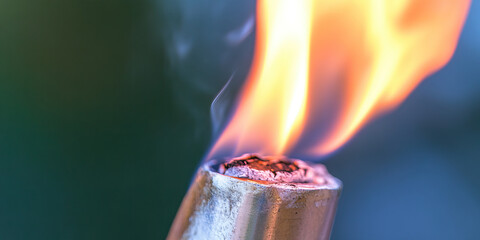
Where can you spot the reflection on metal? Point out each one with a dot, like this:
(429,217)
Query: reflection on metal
(222,207)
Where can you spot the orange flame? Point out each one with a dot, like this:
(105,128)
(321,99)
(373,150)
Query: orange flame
(322,69)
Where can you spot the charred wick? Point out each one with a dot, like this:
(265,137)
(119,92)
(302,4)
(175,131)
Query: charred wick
(254,161)
(277,169)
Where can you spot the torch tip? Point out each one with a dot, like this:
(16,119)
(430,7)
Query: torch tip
(275,169)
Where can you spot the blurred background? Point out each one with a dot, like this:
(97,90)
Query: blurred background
(105,115)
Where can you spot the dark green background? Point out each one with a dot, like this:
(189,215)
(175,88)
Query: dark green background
(101,130)
(90,139)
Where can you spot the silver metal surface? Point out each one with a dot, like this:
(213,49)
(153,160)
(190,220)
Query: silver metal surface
(222,207)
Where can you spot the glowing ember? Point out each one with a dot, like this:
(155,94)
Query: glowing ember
(322,69)
(274,169)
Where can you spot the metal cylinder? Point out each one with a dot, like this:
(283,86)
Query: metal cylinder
(223,207)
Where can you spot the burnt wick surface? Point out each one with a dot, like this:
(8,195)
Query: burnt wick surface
(255,162)
(271,168)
